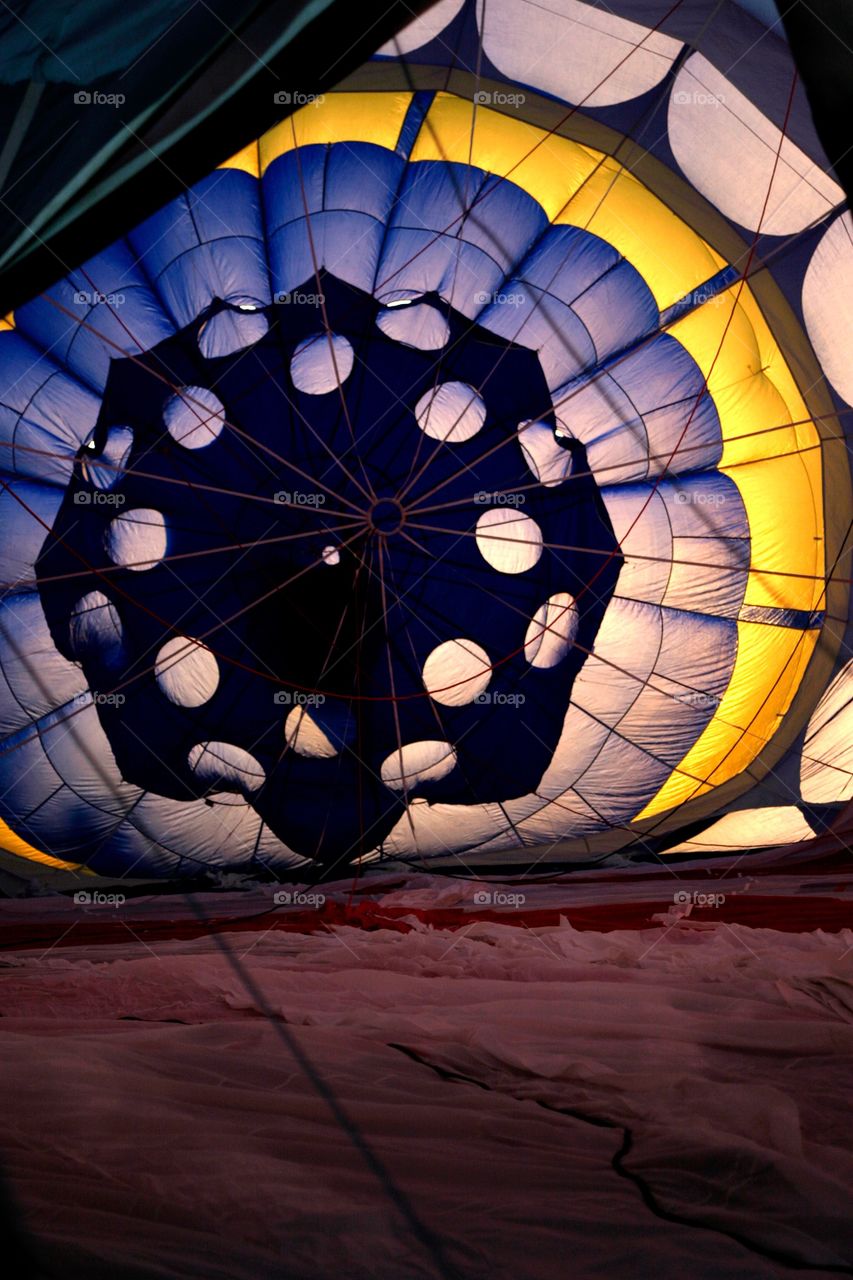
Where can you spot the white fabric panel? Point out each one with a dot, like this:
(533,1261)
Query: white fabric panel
(578,52)
(705,506)
(620,781)
(828,304)
(580,742)
(690,676)
(269,850)
(629,638)
(137,538)
(95,628)
(634,420)
(416,762)
(418,325)
(207,833)
(749,829)
(42,409)
(641,524)
(728,149)
(230,331)
(34,678)
(706,514)
(66,826)
(30,510)
(451,412)
(223,765)
(105,471)
(26,772)
(194,417)
(457,672)
(700,584)
(550,462)
(443,828)
(566,812)
(214,247)
(102,311)
(552,631)
(826,768)
(459,233)
(81,755)
(320,363)
(186,672)
(304,736)
(509,541)
(423,29)
(536,319)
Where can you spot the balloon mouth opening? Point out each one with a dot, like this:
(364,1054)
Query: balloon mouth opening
(386,516)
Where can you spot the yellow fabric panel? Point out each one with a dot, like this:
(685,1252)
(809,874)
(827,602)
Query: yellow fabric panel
(778,472)
(11,843)
(339,117)
(248,160)
(769,666)
(500,145)
(8,322)
(576,186)
(779,475)
(783,501)
(669,255)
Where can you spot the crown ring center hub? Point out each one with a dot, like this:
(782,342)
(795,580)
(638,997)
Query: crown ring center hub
(386,516)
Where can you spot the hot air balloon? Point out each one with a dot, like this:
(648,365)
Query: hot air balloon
(457,471)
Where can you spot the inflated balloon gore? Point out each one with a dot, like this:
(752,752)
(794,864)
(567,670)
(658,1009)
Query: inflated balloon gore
(421,483)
